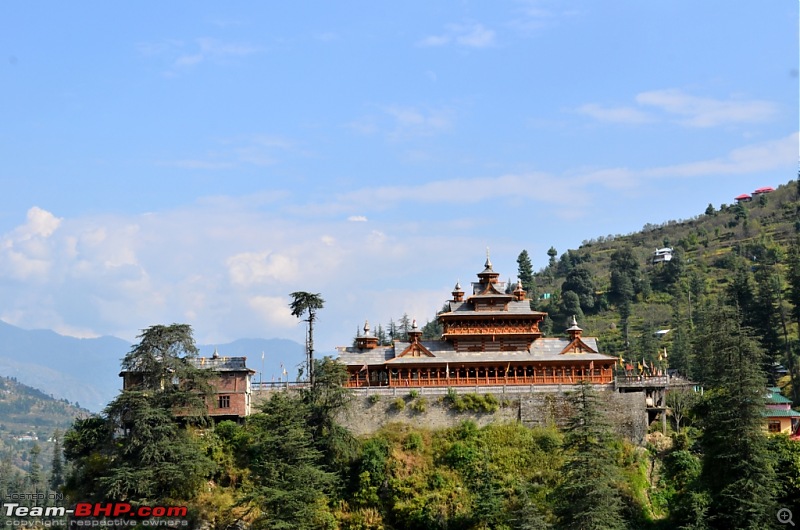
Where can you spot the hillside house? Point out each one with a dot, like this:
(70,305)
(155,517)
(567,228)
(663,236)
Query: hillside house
(231,385)
(778,413)
(662,255)
(490,337)
(744,197)
(765,189)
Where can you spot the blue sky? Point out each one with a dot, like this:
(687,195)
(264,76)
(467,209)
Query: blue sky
(197,161)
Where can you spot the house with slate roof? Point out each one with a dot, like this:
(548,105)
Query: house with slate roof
(230,385)
(490,337)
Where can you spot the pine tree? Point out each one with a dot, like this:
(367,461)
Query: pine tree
(551,255)
(324,400)
(528,516)
(737,467)
(34,477)
(289,483)
(589,496)
(525,275)
(622,294)
(767,316)
(304,303)
(404,327)
(580,281)
(57,467)
(139,449)
(793,277)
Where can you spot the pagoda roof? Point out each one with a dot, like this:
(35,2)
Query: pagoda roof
(515,307)
(481,288)
(548,349)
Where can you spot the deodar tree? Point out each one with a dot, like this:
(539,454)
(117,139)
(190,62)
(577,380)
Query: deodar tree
(737,465)
(140,449)
(307,303)
(589,497)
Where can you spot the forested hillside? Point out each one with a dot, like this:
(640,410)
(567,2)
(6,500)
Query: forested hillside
(31,425)
(748,251)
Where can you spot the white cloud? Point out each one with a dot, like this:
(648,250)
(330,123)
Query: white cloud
(692,111)
(228,263)
(40,223)
(26,253)
(434,40)
(466,35)
(707,112)
(538,187)
(752,158)
(274,310)
(253,268)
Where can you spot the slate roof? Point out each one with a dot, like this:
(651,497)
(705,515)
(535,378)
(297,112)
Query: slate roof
(544,349)
(222,364)
(515,307)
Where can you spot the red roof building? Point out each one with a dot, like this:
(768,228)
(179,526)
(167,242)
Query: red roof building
(743,198)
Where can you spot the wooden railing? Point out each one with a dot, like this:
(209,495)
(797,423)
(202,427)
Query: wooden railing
(645,381)
(602,378)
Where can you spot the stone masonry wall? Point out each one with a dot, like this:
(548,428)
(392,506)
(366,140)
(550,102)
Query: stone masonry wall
(549,406)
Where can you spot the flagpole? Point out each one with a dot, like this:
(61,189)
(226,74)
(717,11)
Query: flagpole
(262,370)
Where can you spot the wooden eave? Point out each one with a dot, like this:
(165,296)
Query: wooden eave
(577,346)
(499,315)
(492,290)
(414,347)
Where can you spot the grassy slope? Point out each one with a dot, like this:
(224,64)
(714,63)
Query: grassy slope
(25,410)
(705,241)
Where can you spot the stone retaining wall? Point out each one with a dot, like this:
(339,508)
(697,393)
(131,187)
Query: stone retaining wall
(369,412)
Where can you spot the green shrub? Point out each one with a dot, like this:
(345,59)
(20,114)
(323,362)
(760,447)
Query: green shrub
(414,394)
(413,442)
(399,404)
(420,405)
(473,402)
(461,455)
(490,403)
(374,398)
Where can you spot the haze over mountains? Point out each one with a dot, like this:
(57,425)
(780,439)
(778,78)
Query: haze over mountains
(86,371)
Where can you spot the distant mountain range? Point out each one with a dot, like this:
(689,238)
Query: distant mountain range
(86,371)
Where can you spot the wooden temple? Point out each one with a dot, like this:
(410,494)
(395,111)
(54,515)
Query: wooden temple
(490,337)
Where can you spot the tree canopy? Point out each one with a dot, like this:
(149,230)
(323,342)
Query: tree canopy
(307,303)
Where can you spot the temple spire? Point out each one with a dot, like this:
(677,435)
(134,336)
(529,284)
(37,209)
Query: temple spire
(574,330)
(458,294)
